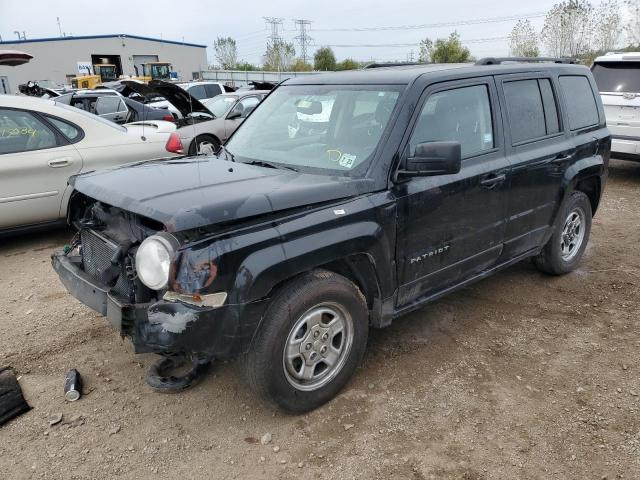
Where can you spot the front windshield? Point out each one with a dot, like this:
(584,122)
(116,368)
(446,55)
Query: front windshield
(328,127)
(220,105)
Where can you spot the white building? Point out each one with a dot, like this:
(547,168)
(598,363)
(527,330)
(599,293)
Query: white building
(59,59)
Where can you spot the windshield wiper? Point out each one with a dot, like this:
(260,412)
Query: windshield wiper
(227,153)
(262,163)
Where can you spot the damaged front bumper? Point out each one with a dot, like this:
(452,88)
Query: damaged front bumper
(165,327)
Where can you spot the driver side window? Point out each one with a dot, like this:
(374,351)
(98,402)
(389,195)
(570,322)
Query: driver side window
(461,115)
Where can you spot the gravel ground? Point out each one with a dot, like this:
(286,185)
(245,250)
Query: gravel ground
(520,376)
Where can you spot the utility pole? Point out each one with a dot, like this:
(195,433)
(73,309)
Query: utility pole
(302,37)
(275,23)
(274,38)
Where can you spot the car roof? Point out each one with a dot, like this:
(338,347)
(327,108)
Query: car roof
(403,75)
(95,93)
(618,57)
(200,82)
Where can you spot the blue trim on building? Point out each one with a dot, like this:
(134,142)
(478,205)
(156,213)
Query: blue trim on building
(92,37)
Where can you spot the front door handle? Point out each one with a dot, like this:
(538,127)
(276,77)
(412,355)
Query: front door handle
(60,162)
(492,180)
(563,158)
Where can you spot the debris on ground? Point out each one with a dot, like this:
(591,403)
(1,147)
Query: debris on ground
(12,402)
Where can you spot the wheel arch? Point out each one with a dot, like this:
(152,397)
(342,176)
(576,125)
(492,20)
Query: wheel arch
(591,187)
(192,145)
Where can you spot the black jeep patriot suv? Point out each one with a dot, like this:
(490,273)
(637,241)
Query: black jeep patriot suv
(343,201)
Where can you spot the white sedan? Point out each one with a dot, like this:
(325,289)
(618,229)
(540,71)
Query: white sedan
(42,144)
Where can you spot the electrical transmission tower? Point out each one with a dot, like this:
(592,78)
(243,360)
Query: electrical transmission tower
(303,38)
(275,23)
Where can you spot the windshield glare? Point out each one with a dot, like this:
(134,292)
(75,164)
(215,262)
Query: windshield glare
(220,105)
(330,127)
(617,76)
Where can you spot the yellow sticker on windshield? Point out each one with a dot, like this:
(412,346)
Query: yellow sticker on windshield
(334,155)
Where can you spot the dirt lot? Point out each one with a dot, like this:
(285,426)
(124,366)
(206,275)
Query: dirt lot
(519,376)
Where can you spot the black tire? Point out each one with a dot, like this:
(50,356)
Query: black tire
(194,148)
(550,260)
(264,365)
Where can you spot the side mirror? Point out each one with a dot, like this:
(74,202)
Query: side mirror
(433,158)
(236,112)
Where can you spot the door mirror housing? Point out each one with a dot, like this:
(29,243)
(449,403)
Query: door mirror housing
(236,112)
(433,158)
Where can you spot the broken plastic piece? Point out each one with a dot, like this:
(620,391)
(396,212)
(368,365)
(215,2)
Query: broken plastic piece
(160,377)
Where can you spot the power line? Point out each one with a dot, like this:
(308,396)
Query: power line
(423,26)
(302,37)
(404,45)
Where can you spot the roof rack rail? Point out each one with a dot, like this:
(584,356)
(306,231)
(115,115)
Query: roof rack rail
(390,64)
(500,60)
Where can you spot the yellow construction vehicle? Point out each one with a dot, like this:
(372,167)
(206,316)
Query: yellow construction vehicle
(106,71)
(154,71)
(86,82)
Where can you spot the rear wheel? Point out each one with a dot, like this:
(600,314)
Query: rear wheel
(566,246)
(313,337)
(204,145)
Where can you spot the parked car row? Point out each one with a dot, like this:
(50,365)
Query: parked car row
(113,106)
(43,143)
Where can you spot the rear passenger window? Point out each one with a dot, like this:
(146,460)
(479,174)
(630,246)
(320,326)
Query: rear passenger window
(532,110)
(462,115)
(212,90)
(581,104)
(71,132)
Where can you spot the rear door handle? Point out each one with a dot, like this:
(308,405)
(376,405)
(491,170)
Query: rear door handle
(60,162)
(492,180)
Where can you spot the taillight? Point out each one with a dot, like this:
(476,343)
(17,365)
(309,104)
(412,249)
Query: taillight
(169,118)
(174,145)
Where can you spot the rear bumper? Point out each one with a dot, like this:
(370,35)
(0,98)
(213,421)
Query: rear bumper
(624,146)
(165,327)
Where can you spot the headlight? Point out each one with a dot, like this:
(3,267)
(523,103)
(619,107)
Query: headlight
(153,260)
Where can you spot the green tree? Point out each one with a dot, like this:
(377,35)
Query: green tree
(226,52)
(632,26)
(607,26)
(444,50)
(523,41)
(324,59)
(301,66)
(279,56)
(246,66)
(348,64)
(568,29)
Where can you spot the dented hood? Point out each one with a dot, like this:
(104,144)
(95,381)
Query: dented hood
(195,192)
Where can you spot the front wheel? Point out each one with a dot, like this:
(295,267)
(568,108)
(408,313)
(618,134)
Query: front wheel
(204,145)
(570,237)
(313,337)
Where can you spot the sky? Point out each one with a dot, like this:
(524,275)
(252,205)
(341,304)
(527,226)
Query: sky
(354,29)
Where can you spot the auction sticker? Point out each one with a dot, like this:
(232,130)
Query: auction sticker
(347,160)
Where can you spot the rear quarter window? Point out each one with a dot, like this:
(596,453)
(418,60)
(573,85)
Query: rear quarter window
(582,108)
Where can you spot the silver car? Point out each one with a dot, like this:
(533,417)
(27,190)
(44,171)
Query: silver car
(207,124)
